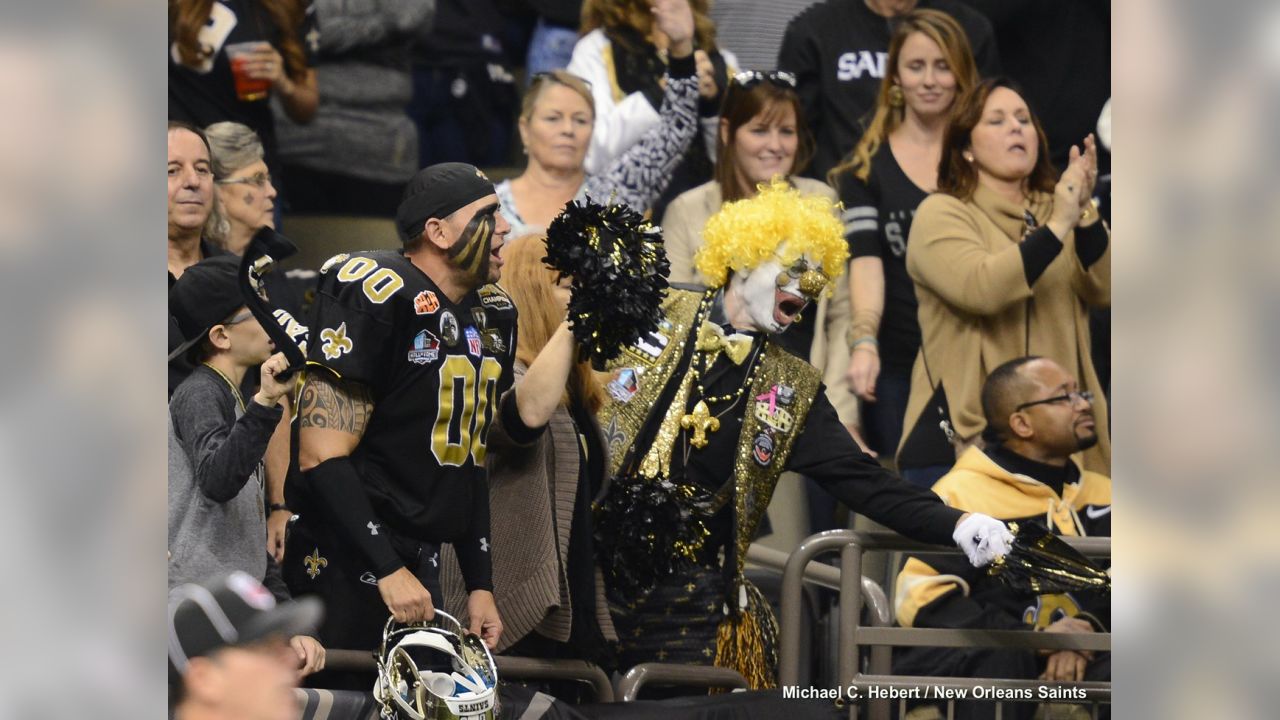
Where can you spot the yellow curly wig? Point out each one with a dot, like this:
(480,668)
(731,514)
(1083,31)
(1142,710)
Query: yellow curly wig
(745,233)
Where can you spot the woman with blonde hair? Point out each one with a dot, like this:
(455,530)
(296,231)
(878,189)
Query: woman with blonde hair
(546,459)
(890,171)
(558,124)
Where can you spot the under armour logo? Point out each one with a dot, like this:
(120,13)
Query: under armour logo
(373,527)
(484,544)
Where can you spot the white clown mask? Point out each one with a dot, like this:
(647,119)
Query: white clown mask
(773,295)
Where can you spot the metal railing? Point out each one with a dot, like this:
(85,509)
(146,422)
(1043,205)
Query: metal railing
(630,684)
(852,636)
(509,668)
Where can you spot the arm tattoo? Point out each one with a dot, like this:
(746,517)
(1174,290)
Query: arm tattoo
(335,405)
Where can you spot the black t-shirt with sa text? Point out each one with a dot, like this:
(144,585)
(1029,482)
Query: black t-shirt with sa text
(877,221)
(838,50)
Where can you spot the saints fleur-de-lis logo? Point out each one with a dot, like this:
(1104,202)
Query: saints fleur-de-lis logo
(336,342)
(314,562)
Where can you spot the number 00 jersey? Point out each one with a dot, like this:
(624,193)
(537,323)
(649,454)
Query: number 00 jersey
(435,370)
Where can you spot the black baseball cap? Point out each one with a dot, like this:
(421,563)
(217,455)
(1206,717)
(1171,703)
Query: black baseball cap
(232,610)
(437,191)
(206,294)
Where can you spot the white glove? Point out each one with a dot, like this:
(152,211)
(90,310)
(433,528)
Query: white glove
(983,538)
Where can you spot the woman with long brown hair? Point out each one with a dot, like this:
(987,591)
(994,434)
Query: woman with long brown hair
(546,460)
(228,57)
(1007,258)
(890,171)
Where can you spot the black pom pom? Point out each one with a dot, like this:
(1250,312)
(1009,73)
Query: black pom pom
(619,268)
(649,529)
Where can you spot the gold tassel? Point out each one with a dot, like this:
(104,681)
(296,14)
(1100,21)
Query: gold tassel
(748,642)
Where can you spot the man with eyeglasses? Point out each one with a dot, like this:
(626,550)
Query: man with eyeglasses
(1038,421)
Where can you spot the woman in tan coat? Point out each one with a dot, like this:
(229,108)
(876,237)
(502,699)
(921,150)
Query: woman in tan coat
(547,457)
(1006,262)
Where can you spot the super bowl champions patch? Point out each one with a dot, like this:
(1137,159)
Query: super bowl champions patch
(770,407)
(493,298)
(426,348)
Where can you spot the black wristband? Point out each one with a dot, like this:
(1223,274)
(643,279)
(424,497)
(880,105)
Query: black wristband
(682,67)
(1038,251)
(509,412)
(336,484)
(1091,243)
(278,506)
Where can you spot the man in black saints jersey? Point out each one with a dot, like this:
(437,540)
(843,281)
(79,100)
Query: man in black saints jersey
(408,352)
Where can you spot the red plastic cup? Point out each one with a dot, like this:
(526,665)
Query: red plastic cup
(247,89)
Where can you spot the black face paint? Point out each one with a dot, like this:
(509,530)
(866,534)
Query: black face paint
(470,251)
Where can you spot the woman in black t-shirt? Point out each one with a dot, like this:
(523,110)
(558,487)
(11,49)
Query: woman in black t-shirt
(279,40)
(892,168)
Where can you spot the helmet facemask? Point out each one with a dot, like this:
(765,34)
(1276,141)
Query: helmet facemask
(435,671)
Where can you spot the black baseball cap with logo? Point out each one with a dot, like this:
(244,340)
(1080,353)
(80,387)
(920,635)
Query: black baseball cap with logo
(208,293)
(233,610)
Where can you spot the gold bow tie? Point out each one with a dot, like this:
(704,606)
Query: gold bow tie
(711,338)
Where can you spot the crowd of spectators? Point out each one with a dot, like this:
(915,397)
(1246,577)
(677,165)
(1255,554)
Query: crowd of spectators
(957,136)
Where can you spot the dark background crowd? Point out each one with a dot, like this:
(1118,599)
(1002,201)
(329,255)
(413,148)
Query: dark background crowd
(312,117)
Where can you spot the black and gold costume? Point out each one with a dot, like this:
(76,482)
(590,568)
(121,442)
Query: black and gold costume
(677,518)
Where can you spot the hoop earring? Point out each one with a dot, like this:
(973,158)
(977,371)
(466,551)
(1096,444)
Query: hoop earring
(896,98)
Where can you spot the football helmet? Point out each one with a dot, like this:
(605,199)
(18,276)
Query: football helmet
(435,670)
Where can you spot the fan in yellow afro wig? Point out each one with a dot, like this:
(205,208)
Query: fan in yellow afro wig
(745,233)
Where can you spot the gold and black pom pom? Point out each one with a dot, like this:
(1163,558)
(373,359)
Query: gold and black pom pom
(619,269)
(1040,562)
(649,529)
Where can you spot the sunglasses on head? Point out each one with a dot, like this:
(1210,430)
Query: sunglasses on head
(750,78)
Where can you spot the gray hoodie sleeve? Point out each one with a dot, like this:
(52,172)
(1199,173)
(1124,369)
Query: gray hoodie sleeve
(224,450)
